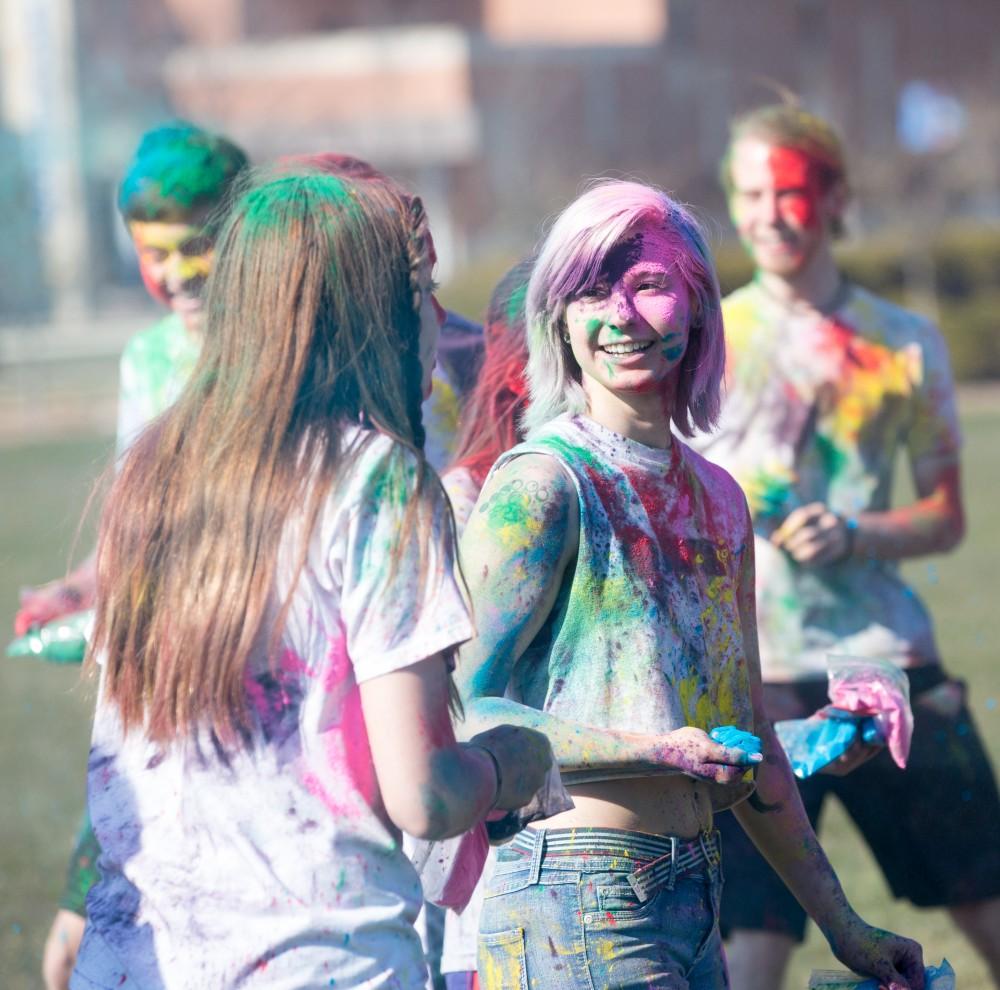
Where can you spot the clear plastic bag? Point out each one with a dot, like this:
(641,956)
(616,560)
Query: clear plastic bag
(815,742)
(877,688)
(935,978)
(450,868)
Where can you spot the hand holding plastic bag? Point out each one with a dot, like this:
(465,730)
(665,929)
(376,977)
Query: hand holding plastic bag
(63,640)
(935,978)
(814,743)
(869,686)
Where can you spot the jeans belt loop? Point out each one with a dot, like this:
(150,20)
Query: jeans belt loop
(672,879)
(537,853)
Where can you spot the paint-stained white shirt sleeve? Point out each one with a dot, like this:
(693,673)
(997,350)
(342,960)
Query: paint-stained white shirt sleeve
(392,616)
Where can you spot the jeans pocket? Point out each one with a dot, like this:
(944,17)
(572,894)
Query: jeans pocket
(500,961)
(618,900)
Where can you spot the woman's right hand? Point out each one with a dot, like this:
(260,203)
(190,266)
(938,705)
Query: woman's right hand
(694,752)
(45,603)
(524,756)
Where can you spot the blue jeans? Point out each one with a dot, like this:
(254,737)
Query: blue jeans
(600,909)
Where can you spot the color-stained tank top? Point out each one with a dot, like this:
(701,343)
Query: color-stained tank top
(645,634)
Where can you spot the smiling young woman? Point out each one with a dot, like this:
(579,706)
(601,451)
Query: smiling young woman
(611,572)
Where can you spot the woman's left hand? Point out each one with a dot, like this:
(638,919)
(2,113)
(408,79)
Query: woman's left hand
(897,962)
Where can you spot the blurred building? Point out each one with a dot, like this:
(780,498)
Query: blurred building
(497,111)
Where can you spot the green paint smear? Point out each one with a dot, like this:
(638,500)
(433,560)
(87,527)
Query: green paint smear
(832,459)
(593,328)
(571,453)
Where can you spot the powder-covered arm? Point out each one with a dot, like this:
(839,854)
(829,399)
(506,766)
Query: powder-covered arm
(785,837)
(934,523)
(516,552)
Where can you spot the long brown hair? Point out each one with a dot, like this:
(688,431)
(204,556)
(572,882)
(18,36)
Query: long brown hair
(312,325)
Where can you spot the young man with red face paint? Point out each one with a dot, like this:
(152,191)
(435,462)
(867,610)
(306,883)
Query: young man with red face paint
(826,383)
(178,177)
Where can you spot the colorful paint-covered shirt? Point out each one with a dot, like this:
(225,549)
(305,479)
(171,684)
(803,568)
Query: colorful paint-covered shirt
(816,410)
(276,865)
(155,367)
(646,630)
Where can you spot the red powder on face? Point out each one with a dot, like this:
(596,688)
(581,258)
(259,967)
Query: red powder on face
(153,283)
(796,185)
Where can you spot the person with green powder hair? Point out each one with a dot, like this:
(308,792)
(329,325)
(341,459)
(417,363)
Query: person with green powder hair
(278,605)
(171,197)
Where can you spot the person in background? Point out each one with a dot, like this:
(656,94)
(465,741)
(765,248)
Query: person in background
(277,604)
(461,342)
(174,191)
(610,569)
(491,416)
(827,385)
(490,425)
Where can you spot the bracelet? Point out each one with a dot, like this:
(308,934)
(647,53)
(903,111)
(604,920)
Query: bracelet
(496,768)
(850,535)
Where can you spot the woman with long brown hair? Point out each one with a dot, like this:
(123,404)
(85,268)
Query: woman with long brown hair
(277,609)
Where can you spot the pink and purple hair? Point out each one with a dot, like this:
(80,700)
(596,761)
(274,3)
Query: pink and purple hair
(570,263)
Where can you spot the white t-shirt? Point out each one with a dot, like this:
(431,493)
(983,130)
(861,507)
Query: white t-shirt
(276,865)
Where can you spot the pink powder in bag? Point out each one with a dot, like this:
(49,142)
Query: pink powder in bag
(870,686)
(450,868)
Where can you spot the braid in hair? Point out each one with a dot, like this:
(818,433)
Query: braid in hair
(417,254)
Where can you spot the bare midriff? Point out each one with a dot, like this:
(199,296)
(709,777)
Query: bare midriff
(660,805)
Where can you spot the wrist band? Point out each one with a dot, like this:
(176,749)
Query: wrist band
(850,534)
(496,767)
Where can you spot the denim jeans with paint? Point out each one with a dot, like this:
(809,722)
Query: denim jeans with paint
(603,908)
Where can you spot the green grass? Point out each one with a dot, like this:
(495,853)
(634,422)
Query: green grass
(44,712)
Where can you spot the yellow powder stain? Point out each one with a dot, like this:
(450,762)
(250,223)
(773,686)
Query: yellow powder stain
(724,701)
(719,589)
(500,967)
(520,536)
(878,373)
(606,949)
